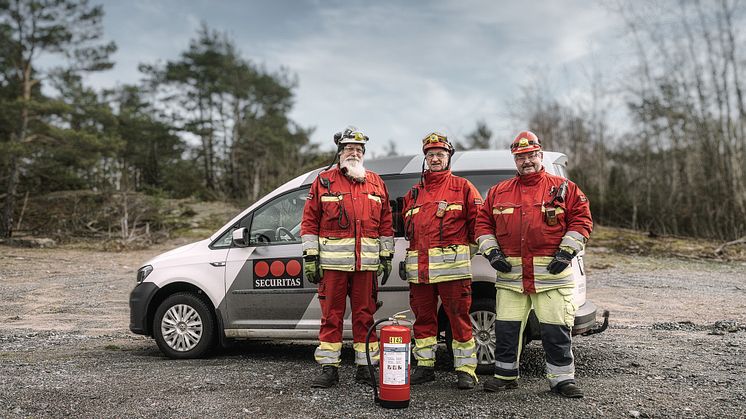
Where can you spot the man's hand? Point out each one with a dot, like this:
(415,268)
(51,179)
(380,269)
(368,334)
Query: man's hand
(560,262)
(498,261)
(311,268)
(403,270)
(384,268)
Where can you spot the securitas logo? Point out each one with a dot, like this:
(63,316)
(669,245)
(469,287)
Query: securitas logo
(278,273)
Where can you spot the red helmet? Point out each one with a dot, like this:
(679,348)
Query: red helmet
(525,142)
(435,140)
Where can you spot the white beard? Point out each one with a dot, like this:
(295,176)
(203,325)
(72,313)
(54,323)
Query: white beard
(354,168)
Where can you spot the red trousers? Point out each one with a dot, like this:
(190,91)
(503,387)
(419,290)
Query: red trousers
(334,288)
(456,299)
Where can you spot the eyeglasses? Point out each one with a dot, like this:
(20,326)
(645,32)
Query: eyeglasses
(352,149)
(526,156)
(440,154)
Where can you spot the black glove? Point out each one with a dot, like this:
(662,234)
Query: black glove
(403,270)
(384,268)
(561,259)
(498,261)
(312,269)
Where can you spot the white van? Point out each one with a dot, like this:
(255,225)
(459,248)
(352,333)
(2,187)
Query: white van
(246,280)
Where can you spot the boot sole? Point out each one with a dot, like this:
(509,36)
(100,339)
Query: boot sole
(322,386)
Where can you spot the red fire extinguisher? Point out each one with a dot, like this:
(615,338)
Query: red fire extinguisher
(395,341)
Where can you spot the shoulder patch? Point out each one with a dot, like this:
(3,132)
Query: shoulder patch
(310,196)
(583,198)
(478,201)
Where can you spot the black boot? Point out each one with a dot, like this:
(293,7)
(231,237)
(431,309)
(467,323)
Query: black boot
(329,376)
(568,389)
(362,375)
(465,380)
(422,375)
(494,384)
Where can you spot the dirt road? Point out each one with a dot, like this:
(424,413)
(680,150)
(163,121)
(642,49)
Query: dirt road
(676,348)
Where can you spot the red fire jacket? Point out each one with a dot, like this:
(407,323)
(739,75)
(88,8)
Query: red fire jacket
(348,223)
(439,246)
(514,214)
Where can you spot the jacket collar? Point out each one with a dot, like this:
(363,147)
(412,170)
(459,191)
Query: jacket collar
(436,178)
(532,178)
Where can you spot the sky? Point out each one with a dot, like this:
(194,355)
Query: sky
(395,69)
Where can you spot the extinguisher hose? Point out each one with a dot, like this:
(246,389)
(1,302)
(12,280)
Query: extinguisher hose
(371,368)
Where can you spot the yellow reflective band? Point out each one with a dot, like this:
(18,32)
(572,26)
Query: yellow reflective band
(411,212)
(502,210)
(375,198)
(454,207)
(337,242)
(331,198)
(368,241)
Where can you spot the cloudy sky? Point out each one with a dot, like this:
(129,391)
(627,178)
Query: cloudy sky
(396,69)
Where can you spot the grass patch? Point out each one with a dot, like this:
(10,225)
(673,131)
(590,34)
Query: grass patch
(637,243)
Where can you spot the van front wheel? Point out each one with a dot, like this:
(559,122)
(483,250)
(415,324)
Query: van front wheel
(184,326)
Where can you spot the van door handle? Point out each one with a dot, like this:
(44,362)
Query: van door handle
(217,264)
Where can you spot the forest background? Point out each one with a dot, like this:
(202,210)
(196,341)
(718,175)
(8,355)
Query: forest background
(211,125)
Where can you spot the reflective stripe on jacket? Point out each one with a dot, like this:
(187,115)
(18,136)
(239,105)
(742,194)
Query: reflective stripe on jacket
(439,246)
(513,218)
(349,223)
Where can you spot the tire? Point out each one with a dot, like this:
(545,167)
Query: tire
(184,326)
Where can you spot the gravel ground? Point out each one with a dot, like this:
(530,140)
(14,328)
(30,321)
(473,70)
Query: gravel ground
(676,347)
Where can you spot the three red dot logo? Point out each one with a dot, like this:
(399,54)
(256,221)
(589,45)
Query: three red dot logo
(278,268)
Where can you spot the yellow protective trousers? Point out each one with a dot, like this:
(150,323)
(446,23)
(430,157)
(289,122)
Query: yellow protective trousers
(555,310)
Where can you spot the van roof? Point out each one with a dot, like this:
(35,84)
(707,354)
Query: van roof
(462,162)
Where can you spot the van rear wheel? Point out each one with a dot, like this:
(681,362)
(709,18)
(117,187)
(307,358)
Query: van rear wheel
(184,326)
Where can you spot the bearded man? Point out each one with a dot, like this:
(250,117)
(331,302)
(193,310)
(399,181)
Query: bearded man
(348,240)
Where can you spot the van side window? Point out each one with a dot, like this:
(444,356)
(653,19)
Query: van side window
(278,221)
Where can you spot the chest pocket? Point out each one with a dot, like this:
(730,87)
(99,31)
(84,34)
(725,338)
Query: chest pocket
(553,220)
(505,214)
(331,209)
(454,210)
(375,204)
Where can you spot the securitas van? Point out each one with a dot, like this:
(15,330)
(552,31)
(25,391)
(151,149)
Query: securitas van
(246,280)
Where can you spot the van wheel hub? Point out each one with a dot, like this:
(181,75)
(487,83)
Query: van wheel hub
(181,327)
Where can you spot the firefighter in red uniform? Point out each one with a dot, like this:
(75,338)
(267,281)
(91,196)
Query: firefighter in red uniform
(439,215)
(348,240)
(530,228)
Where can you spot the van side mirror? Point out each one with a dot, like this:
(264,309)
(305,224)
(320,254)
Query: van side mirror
(241,237)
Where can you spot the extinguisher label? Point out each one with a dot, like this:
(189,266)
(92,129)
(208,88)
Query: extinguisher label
(395,363)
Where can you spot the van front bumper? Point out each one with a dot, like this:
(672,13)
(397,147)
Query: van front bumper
(585,320)
(140,299)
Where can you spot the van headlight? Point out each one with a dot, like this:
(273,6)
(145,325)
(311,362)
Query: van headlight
(143,273)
